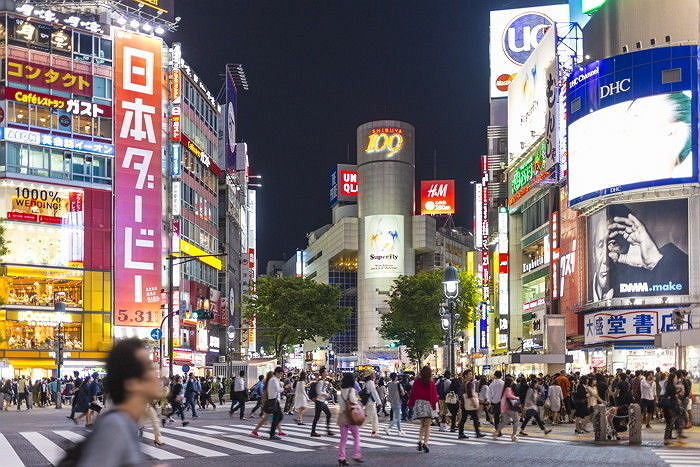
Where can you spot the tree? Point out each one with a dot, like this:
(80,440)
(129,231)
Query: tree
(414,311)
(290,310)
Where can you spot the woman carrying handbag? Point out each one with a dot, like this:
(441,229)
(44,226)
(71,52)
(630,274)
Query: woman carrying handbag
(350,416)
(424,398)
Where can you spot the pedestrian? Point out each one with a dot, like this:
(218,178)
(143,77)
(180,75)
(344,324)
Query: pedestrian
(581,410)
(346,401)
(382,391)
(670,403)
(555,399)
(470,404)
(176,398)
(256,394)
(647,399)
(443,385)
(318,393)
(531,407)
(206,394)
(424,401)
(301,399)
(272,404)
(131,383)
(395,394)
(370,402)
(565,385)
(494,396)
(453,400)
(484,405)
(191,395)
(238,395)
(509,409)
(23,390)
(288,384)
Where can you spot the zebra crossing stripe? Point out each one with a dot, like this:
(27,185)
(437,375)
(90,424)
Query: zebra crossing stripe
(217,442)
(193,448)
(10,457)
(335,438)
(197,429)
(279,444)
(52,452)
(383,439)
(291,439)
(152,451)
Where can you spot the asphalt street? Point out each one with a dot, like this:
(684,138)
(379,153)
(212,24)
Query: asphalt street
(40,437)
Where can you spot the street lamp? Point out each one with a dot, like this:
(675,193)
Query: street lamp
(450,283)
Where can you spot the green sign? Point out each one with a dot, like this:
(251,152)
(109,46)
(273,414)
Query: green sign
(590,6)
(529,169)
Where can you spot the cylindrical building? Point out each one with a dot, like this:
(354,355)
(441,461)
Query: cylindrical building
(386,167)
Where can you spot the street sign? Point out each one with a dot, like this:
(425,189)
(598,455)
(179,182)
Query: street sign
(185,368)
(156,334)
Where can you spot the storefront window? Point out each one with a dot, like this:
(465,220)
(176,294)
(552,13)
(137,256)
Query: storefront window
(534,290)
(38,335)
(40,291)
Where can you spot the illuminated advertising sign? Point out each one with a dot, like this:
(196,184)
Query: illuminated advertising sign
(176,100)
(71,106)
(384,246)
(571,282)
(37,35)
(631,123)
(47,76)
(514,35)
(46,204)
(203,156)
(344,184)
(437,197)
(503,291)
(230,132)
(638,249)
(531,99)
(388,141)
(55,141)
(164,9)
(625,325)
(138,184)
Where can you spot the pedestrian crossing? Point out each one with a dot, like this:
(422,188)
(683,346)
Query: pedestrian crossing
(678,457)
(220,440)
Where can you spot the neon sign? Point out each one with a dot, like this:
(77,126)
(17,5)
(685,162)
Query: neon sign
(389,140)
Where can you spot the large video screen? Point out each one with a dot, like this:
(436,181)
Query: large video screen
(638,249)
(633,144)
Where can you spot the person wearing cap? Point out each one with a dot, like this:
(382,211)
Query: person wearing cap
(372,401)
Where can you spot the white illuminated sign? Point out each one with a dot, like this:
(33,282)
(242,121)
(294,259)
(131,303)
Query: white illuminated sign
(59,142)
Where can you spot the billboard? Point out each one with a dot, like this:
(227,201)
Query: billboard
(437,197)
(384,240)
(49,76)
(344,184)
(138,185)
(626,325)
(569,284)
(638,249)
(532,99)
(631,122)
(514,34)
(230,130)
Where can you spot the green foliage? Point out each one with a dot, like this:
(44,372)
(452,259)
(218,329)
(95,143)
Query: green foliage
(291,310)
(414,316)
(3,243)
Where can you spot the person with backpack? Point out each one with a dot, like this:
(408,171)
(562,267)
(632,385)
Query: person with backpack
(131,383)
(452,400)
(443,385)
(301,400)
(395,396)
(370,398)
(318,393)
(191,394)
(509,409)
(176,399)
(256,394)
(534,399)
(349,419)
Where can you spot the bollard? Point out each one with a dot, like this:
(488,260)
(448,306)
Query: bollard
(635,425)
(600,422)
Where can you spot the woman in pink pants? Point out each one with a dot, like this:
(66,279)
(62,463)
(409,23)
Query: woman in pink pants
(348,396)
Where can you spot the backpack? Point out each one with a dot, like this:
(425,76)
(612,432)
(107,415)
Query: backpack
(313,391)
(364,396)
(442,390)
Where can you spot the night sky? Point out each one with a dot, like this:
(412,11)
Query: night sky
(317,69)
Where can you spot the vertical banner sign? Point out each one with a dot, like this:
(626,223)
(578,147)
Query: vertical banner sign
(138,183)
(230,135)
(485,262)
(554,229)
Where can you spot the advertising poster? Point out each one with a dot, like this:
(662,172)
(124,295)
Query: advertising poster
(632,123)
(230,130)
(344,184)
(638,249)
(384,246)
(138,185)
(571,290)
(514,35)
(531,99)
(437,197)
(626,325)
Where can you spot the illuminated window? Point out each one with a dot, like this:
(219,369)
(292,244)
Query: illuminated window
(38,335)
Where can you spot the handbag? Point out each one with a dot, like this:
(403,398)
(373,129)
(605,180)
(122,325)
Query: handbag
(270,406)
(451,398)
(422,409)
(514,404)
(354,412)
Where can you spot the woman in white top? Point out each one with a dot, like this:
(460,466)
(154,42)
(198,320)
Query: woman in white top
(301,399)
(648,398)
(348,396)
(371,407)
(555,398)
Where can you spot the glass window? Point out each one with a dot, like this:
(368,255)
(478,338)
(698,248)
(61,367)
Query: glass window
(38,335)
(42,117)
(78,167)
(84,44)
(104,49)
(104,127)
(33,291)
(18,112)
(59,166)
(102,87)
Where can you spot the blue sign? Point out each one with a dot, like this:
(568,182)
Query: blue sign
(185,368)
(523,34)
(156,334)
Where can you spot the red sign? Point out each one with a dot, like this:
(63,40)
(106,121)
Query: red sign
(71,106)
(47,76)
(503,82)
(203,156)
(347,183)
(503,263)
(437,197)
(138,184)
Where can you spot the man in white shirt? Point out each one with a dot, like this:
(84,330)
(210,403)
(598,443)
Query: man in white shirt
(647,401)
(274,393)
(320,396)
(494,394)
(238,395)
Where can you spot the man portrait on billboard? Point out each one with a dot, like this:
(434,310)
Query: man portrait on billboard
(639,249)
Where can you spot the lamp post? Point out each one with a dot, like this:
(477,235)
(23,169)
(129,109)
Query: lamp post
(450,283)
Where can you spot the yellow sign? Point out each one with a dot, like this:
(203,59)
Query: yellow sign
(50,317)
(189,249)
(48,273)
(391,143)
